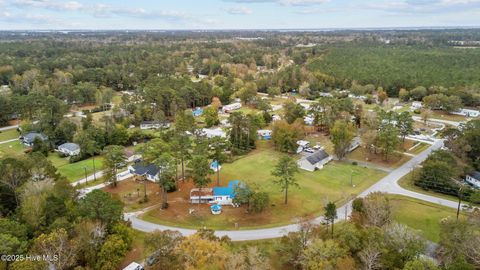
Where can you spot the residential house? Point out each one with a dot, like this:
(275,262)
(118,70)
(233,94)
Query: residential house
(149,171)
(150,125)
(467,113)
(216,195)
(30,137)
(213,132)
(69,149)
(416,105)
(473,179)
(231,107)
(264,134)
(314,161)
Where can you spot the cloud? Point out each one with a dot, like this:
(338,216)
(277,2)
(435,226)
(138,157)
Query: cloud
(426,6)
(238,10)
(46,4)
(282,2)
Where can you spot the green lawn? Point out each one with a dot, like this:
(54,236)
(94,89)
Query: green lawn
(75,171)
(8,134)
(10,149)
(420,215)
(315,189)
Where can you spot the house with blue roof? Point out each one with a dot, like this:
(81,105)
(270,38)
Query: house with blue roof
(216,195)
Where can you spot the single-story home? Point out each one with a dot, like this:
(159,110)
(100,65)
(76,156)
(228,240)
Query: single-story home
(69,149)
(473,179)
(150,125)
(467,113)
(213,132)
(216,195)
(149,171)
(308,120)
(315,161)
(231,107)
(416,105)
(276,117)
(30,137)
(264,134)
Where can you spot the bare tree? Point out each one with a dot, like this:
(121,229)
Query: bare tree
(370,257)
(377,209)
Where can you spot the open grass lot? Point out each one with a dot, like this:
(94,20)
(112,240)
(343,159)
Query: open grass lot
(316,189)
(10,149)
(75,171)
(447,116)
(361,154)
(9,134)
(420,215)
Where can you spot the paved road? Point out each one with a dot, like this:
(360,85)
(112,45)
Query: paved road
(8,127)
(8,141)
(387,184)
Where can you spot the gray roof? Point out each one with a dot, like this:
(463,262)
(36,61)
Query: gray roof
(475,174)
(317,157)
(150,169)
(30,137)
(70,146)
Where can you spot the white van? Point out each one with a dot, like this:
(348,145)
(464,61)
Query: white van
(134,266)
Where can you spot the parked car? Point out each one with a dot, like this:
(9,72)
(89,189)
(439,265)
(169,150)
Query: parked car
(309,150)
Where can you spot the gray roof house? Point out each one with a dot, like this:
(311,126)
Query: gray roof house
(149,171)
(314,161)
(30,137)
(473,179)
(69,149)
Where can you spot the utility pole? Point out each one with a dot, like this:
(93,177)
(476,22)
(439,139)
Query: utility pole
(459,201)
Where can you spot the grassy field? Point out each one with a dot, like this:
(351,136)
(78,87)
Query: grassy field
(8,134)
(420,215)
(75,171)
(361,154)
(315,189)
(10,149)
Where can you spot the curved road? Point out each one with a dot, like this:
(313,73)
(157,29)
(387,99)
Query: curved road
(387,184)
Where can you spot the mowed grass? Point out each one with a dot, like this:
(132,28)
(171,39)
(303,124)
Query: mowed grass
(9,134)
(75,171)
(420,215)
(315,190)
(11,149)
(418,148)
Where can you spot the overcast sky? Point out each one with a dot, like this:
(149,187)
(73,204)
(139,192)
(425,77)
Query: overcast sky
(235,14)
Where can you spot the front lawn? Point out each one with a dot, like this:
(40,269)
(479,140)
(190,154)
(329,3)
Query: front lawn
(316,188)
(420,215)
(75,171)
(362,155)
(11,149)
(406,182)
(9,134)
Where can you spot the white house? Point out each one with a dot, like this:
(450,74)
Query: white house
(231,107)
(150,171)
(467,113)
(69,149)
(473,179)
(416,105)
(153,125)
(315,161)
(303,143)
(276,117)
(216,195)
(213,132)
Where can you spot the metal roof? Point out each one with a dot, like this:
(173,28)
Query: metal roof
(226,191)
(70,146)
(150,169)
(475,174)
